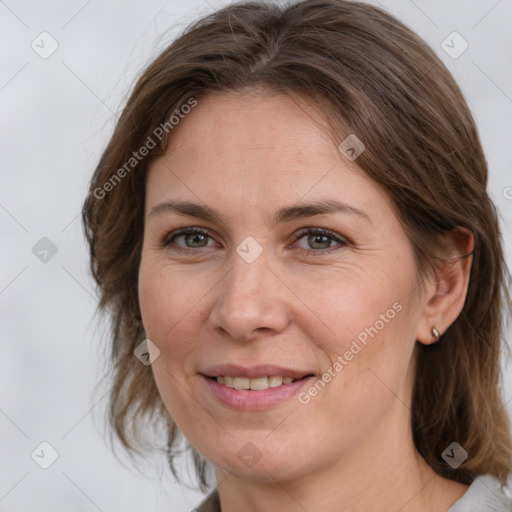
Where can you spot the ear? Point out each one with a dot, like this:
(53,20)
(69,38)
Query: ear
(446,289)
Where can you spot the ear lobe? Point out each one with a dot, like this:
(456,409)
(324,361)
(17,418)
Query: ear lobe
(446,293)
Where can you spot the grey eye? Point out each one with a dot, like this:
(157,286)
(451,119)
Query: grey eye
(195,239)
(318,239)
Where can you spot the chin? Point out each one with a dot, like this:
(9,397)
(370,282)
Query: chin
(259,464)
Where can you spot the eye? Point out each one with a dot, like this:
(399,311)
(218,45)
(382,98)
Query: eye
(193,238)
(317,240)
(320,240)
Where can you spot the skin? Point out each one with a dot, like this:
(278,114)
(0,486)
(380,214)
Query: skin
(350,448)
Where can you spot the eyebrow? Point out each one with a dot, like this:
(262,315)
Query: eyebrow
(288,213)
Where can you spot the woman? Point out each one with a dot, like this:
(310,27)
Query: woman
(291,230)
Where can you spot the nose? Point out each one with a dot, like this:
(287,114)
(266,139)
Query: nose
(251,300)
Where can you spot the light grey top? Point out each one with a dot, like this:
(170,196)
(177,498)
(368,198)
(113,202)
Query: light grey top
(485,494)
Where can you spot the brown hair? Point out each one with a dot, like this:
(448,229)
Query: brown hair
(374,77)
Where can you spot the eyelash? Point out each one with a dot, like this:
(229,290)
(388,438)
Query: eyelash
(342,242)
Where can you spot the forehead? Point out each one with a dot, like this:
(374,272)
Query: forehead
(237,127)
(256,150)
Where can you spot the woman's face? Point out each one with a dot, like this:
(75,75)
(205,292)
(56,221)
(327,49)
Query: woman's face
(275,280)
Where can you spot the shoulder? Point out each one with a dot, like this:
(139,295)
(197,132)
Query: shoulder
(210,504)
(485,493)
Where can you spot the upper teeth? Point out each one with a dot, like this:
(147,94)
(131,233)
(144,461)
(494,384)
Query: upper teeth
(255,384)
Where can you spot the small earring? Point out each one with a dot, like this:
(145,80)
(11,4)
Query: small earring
(436,333)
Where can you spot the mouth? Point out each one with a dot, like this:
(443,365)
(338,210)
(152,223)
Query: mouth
(254,388)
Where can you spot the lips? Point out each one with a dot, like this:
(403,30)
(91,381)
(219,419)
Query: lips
(253,388)
(247,399)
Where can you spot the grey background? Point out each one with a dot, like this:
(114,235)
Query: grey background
(56,116)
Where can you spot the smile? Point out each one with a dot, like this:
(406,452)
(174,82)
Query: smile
(256,394)
(258,384)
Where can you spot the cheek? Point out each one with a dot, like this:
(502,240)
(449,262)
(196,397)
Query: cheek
(355,303)
(368,317)
(169,312)
(169,302)
(365,361)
